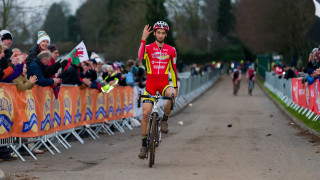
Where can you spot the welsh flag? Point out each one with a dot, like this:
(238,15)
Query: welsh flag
(79,54)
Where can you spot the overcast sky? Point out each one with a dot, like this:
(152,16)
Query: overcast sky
(74,4)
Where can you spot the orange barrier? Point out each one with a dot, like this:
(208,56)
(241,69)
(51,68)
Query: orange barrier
(36,112)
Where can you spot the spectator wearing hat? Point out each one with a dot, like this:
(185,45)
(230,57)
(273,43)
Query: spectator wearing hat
(43,42)
(7,62)
(4,151)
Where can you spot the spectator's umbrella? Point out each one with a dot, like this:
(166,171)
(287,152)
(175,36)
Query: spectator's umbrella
(314,31)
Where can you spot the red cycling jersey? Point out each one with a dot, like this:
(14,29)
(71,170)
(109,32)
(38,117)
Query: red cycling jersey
(159,62)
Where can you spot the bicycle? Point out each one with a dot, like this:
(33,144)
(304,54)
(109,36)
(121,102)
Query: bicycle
(250,86)
(236,87)
(154,134)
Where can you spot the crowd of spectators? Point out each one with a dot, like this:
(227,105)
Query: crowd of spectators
(41,66)
(310,72)
(284,71)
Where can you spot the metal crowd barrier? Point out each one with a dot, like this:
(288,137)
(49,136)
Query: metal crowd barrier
(282,88)
(189,89)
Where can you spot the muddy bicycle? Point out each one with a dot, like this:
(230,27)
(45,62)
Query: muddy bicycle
(154,134)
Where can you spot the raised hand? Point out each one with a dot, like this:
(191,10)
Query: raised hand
(56,81)
(22,57)
(146,31)
(33,79)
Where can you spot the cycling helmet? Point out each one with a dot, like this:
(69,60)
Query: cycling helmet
(161,25)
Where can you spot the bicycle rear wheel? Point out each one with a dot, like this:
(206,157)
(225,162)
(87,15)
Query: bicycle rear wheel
(236,88)
(250,87)
(152,146)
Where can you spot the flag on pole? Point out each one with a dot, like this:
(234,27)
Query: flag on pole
(314,31)
(79,54)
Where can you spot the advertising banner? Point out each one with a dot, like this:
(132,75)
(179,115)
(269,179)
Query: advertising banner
(37,112)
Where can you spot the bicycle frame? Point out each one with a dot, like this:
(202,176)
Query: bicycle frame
(154,135)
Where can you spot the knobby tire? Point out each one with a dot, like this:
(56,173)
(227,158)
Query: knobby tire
(152,140)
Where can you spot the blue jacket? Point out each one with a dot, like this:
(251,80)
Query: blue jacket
(37,68)
(130,81)
(310,80)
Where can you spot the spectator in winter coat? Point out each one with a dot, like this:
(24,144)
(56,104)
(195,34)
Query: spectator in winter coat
(141,78)
(289,73)
(22,82)
(55,64)
(72,76)
(19,67)
(89,75)
(130,78)
(38,68)
(43,42)
(7,62)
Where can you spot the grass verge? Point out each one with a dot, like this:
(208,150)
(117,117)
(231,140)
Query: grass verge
(315,125)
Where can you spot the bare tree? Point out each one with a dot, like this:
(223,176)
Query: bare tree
(19,15)
(275,26)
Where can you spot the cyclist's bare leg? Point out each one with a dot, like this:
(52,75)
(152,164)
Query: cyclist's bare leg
(147,108)
(167,109)
(168,93)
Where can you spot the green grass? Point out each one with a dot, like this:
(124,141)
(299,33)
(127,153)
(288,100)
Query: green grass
(299,116)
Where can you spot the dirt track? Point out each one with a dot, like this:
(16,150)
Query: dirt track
(261,144)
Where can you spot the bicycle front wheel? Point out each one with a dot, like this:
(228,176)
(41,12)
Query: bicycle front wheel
(152,146)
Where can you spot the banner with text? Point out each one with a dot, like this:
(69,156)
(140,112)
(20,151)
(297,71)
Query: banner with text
(37,112)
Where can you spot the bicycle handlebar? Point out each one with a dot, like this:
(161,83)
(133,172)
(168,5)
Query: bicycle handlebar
(155,97)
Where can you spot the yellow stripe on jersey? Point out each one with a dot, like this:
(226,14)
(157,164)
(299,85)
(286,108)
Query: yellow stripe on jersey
(167,71)
(148,66)
(173,74)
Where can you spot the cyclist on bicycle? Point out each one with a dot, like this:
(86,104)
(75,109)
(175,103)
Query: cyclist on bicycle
(160,59)
(251,75)
(236,76)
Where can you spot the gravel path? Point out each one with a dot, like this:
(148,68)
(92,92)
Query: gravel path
(261,144)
